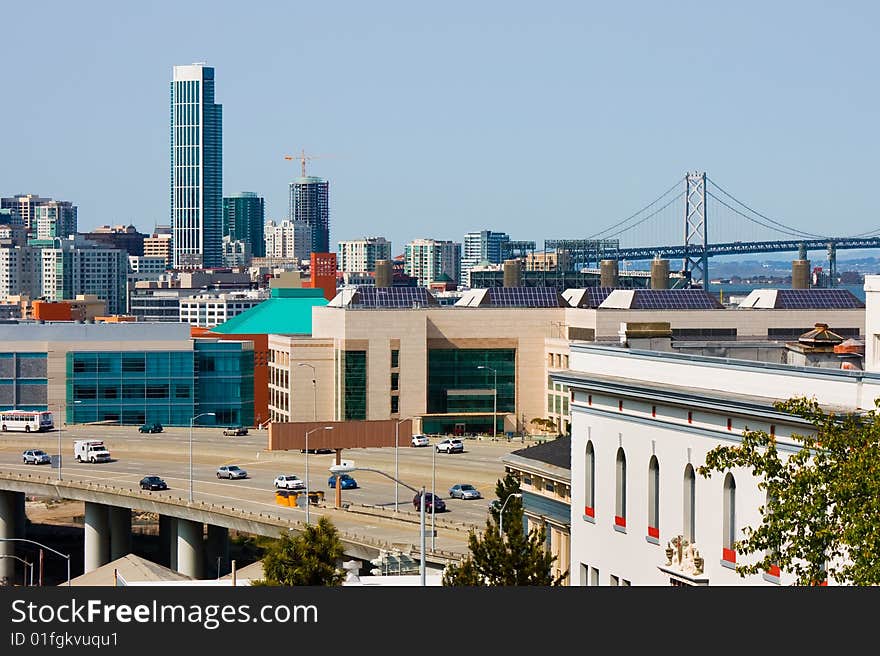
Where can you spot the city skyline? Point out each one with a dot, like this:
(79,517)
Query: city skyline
(610,105)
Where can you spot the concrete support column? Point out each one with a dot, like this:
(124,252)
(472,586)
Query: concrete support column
(11,526)
(167,540)
(190,548)
(120,532)
(97,536)
(217,546)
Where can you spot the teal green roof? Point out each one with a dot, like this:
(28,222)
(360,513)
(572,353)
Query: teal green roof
(285,312)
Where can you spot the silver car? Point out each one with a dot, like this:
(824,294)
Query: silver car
(464,491)
(231,471)
(35,457)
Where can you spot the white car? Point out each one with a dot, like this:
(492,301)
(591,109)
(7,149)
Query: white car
(449,445)
(289,482)
(420,440)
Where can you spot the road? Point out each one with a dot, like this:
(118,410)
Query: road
(167,455)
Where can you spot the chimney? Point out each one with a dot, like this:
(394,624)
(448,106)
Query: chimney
(800,274)
(383,273)
(511,273)
(659,274)
(608,274)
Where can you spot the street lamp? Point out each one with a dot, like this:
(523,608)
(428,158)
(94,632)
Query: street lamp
(191,422)
(494,399)
(348,467)
(314,388)
(501,512)
(60,425)
(396,460)
(63,555)
(27,563)
(307,465)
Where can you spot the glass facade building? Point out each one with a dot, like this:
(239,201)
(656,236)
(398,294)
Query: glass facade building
(461,396)
(196,169)
(355,392)
(244,219)
(23,381)
(310,204)
(225,382)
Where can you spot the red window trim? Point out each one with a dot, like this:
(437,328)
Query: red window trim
(653,410)
(728,555)
(729,424)
(690,417)
(654,532)
(620,521)
(774,571)
(620,405)
(589,511)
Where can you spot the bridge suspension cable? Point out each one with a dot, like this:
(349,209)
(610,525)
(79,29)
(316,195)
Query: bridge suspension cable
(603,234)
(790,232)
(643,219)
(795,232)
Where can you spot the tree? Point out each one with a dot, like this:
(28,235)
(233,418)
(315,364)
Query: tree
(547,425)
(822,515)
(309,558)
(520,559)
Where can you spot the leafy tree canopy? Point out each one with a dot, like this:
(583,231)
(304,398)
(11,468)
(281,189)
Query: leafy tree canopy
(308,558)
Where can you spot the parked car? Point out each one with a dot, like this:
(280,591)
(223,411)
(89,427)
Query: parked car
(153,482)
(289,482)
(346,482)
(235,430)
(464,491)
(420,440)
(231,471)
(436,502)
(35,457)
(449,445)
(154,427)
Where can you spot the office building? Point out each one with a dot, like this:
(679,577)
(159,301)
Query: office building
(158,244)
(244,218)
(287,239)
(427,259)
(196,169)
(209,310)
(119,236)
(310,204)
(481,248)
(20,272)
(76,266)
(359,255)
(55,218)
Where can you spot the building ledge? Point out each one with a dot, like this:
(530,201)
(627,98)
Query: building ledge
(687,579)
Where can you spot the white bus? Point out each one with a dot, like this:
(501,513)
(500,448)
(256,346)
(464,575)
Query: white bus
(26,420)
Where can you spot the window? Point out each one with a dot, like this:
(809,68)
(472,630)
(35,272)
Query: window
(654,500)
(594,576)
(613,581)
(589,483)
(728,537)
(395,359)
(690,489)
(395,382)
(620,492)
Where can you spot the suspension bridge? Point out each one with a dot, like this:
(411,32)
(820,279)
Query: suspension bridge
(686,208)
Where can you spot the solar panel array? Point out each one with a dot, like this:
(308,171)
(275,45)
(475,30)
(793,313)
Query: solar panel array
(674,299)
(532,297)
(393,297)
(817,299)
(594,296)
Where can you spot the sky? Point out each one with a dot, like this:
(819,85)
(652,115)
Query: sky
(543,120)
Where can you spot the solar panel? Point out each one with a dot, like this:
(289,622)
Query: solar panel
(393,297)
(595,295)
(816,299)
(534,297)
(674,299)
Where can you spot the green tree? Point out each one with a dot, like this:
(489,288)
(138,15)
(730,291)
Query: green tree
(516,558)
(822,514)
(309,558)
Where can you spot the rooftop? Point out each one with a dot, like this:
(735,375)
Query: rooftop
(287,311)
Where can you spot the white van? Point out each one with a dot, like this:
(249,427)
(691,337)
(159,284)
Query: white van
(90,451)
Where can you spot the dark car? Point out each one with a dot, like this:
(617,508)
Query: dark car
(154,427)
(153,483)
(235,430)
(438,504)
(346,482)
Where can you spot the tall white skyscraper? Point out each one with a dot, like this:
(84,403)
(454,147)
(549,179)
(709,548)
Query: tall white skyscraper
(196,169)
(481,247)
(361,254)
(428,259)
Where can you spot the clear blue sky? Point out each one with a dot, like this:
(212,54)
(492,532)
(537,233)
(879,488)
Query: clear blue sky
(542,119)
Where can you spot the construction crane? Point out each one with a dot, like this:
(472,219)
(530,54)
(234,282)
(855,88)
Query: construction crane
(302,157)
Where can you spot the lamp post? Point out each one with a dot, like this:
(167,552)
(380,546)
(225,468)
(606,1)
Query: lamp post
(307,465)
(191,422)
(501,512)
(60,425)
(396,460)
(314,388)
(494,399)
(27,563)
(63,555)
(348,467)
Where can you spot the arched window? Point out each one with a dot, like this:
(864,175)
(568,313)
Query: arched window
(689,522)
(654,500)
(589,483)
(620,492)
(728,536)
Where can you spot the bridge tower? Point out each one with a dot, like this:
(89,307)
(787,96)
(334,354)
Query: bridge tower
(696,262)
(832,264)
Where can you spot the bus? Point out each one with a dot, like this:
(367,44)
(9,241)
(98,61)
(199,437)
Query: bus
(26,420)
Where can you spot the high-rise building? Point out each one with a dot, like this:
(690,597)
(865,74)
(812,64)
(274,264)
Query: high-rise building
(119,236)
(244,218)
(428,259)
(19,270)
(56,216)
(288,239)
(483,247)
(361,254)
(196,169)
(77,266)
(159,245)
(309,203)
